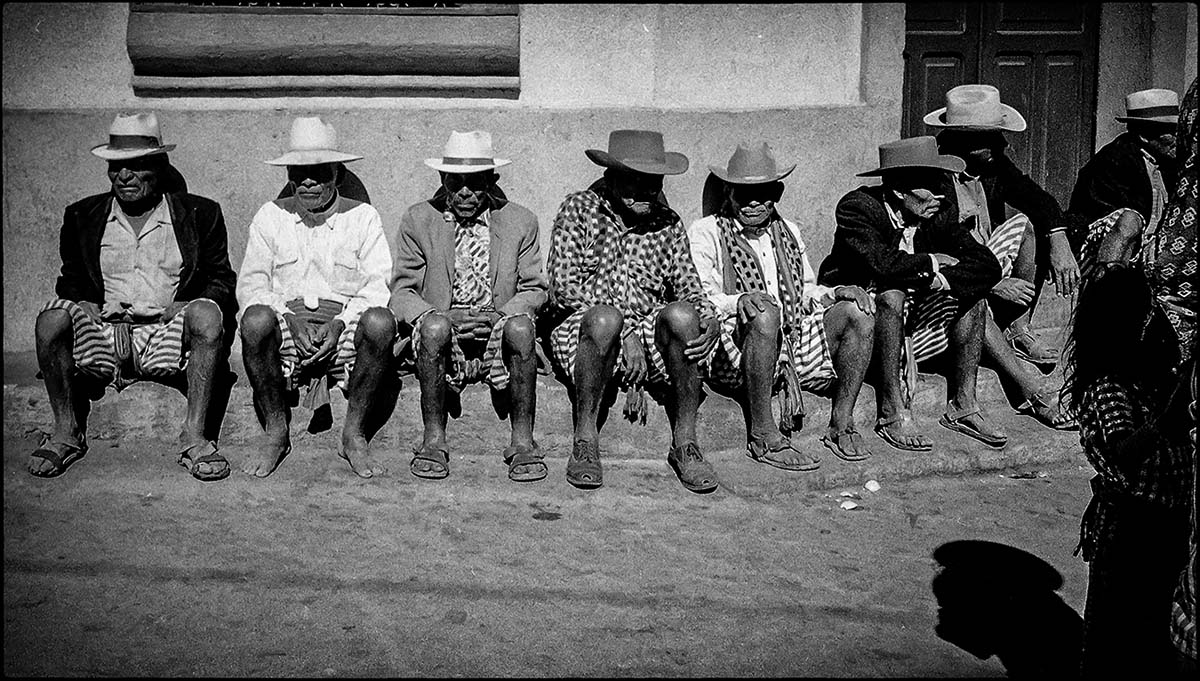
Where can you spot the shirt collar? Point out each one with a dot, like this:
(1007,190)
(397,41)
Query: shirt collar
(161,215)
(1148,156)
(303,216)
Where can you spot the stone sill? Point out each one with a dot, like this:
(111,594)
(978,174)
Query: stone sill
(475,87)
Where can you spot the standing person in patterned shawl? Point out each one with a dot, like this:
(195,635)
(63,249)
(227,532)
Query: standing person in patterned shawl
(1032,244)
(1122,364)
(925,271)
(467,283)
(781,330)
(313,287)
(1123,189)
(621,275)
(145,293)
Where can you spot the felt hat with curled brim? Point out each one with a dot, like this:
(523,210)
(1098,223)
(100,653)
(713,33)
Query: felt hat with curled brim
(1156,105)
(914,153)
(312,141)
(132,136)
(975,107)
(752,166)
(640,150)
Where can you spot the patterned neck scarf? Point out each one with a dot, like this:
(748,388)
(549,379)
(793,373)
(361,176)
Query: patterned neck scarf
(743,273)
(471,262)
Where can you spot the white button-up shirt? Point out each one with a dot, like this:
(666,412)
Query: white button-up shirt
(345,257)
(140,270)
(705,237)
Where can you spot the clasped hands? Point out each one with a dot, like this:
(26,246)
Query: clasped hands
(315,344)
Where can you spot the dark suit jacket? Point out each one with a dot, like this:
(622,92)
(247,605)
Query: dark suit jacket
(866,250)
(1004,183)
(1115,177)
(199,229)
(423,267)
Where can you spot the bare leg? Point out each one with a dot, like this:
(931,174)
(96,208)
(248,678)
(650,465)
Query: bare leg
(760,352)
(521,362)
(202,338)
(888,349)
(373,354)
(966,342)
(264,370)
(70,406)
(433,354)
(595,361)
(851,336)
(1122,240)
(678,324)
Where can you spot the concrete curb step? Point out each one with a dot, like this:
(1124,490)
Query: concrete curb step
(152,413)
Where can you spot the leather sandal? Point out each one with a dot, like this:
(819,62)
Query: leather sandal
(190,458)
(61,461)
(848,434)
(439,456)
(761,452)
(955,419)
(1027,347)
(528,456)
(1050,415)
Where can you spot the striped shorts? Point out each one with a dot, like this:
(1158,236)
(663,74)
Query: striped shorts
(810,353)
(564,341)
(486,364)
(928,316)
(337,368)
(157,348)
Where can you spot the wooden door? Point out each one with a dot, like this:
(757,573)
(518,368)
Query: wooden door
(1042,56)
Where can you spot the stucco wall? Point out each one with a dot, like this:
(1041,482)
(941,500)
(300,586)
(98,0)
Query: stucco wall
(829,94)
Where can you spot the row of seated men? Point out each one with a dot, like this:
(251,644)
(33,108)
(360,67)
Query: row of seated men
(924,263)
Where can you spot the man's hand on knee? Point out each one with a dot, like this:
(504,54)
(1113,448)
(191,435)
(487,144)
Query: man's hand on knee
(750,304)
(1014,290)
(699,347)
(856,295)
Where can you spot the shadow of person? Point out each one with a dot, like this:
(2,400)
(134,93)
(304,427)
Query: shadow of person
(994,599)
(348,185)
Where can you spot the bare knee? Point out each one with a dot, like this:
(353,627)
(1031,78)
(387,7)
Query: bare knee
(854,319)
(519,335)
(1129,225)
(377,327)
(52,325)
(602,324)
(680,320)
(259,325)
(766,323)
(890,301)
(202,320)
(435,332)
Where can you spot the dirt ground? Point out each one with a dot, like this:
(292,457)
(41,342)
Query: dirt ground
(126,566)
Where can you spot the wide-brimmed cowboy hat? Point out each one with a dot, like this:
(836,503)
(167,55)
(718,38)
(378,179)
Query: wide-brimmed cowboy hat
(752,166)
(914,153)
(976,107)
(312,141)
(467,152)
(1156,105)
(132,136)
(640,150)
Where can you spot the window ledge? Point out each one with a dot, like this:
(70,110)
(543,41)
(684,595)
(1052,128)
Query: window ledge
(496,87)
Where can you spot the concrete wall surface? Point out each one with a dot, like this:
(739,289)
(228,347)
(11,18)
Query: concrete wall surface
(829,94)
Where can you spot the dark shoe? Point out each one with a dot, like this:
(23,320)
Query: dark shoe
(528,456)
(696,474)
(764,453)
(583,468)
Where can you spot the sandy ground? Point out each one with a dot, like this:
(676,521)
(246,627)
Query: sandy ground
(126,566)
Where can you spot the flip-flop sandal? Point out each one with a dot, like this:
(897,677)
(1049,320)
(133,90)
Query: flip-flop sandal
(583,468)
(189,460)
(1037,407)
(761,452)
(834,444)
(525,455)
(435,455)
(881,429)
(61,461)
(954,421)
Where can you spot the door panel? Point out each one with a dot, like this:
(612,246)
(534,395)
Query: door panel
(1042,56)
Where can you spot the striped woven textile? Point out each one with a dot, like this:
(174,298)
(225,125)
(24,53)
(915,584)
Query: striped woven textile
(157,348)
(482,367)
(811,354)
(928,316)
(565,348)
